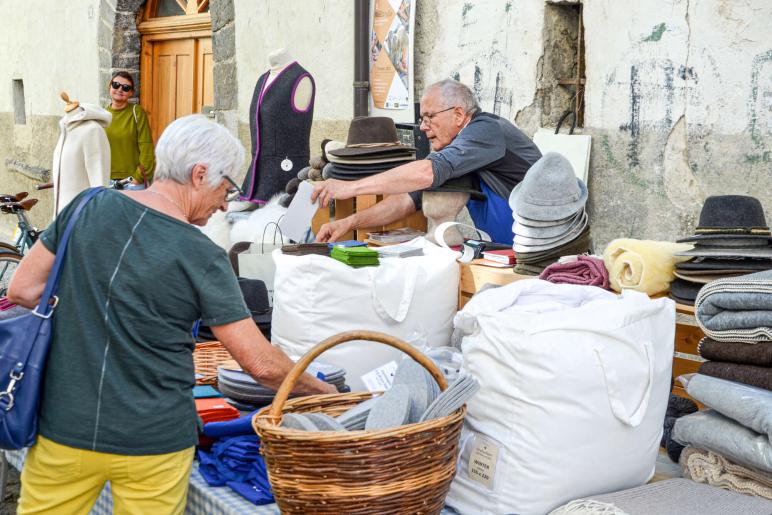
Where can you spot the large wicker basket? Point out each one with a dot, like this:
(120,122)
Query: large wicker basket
(206,358)
(406,469)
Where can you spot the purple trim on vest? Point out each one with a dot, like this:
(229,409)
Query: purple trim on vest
(263,90)
(313,94)
(255,201)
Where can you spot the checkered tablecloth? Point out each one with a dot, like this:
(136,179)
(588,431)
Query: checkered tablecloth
(202,498)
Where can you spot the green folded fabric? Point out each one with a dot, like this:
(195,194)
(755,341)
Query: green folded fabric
(355,256)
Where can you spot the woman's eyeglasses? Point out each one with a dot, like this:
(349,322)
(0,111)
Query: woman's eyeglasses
(234,192)
(125,87)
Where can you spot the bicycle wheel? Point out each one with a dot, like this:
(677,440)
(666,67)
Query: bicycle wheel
(8,264)
(7,247)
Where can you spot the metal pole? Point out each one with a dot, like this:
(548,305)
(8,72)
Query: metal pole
(361,59)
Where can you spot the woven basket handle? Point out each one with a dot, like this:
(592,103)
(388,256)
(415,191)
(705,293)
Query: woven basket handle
(300,367)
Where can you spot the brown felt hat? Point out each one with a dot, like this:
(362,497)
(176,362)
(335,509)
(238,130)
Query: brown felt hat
(371,135)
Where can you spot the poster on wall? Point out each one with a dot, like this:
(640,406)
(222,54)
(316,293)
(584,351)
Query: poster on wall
(392,25)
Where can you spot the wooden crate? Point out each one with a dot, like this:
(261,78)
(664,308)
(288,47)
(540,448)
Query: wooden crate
(344,208)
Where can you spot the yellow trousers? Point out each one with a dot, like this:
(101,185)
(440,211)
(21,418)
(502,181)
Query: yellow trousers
(61,479)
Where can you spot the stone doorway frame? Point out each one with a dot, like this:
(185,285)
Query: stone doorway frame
(120,49)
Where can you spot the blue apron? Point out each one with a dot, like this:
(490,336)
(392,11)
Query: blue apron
(493,216)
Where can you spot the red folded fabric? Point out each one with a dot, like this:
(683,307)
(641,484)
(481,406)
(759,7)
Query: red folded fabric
(586,270)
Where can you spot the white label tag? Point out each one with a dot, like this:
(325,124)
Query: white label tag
(482,461)
(381,378)
(286,165)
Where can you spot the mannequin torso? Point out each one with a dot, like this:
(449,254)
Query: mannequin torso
(278,61)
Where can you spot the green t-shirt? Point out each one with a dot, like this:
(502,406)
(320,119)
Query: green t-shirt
(131,143)
(120,369)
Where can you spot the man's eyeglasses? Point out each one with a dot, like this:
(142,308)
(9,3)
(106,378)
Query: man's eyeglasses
(125,87)
(427,118)
(233,193)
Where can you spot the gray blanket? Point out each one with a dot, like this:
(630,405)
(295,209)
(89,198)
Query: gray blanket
(751,407)
(712,431)
(737,309)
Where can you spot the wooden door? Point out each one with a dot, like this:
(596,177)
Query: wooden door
(180,80)
(176,65)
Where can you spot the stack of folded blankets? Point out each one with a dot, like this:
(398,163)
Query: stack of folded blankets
(372,147)
(550,220)
(414,397)
(736,316)
(304,249)
(215,409)
(246,394)
(355,256)
(729,445)
(234,460)
(731,239)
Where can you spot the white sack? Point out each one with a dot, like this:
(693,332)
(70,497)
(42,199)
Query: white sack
(316,297)
(574,386)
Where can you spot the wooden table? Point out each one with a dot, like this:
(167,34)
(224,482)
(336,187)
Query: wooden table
(686,359)
(344,208)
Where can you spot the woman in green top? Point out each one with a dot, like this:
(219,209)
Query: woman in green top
(131,144)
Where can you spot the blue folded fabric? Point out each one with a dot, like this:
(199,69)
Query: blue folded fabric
(236,427)
(256,488)
(230,459)
(205,392)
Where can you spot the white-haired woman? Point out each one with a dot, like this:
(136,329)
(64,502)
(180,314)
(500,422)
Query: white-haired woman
(117,403)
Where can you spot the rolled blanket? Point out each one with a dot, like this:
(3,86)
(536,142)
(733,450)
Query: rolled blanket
(737,308)
(760,377)
(642,265)
(715,470)
(315,174)
(586,270)
(749,406)
(710,430)
(317,162)
(759,354)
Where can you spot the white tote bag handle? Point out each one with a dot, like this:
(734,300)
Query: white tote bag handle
(390,311)
(467,253)
(615,393)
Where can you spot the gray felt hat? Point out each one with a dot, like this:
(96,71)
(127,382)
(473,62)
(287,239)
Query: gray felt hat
(550,190)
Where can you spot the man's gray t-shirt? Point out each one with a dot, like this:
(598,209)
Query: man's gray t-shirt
(490,146)
(120,369)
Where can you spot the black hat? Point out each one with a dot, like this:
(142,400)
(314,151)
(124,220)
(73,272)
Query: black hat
(731,217)
(468,183)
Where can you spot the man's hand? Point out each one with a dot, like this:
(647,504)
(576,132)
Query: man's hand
(334,231)
(331,189)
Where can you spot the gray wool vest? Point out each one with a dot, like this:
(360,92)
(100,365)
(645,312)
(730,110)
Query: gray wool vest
(279,132)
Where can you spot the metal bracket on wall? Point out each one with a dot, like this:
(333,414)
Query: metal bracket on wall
(578,81)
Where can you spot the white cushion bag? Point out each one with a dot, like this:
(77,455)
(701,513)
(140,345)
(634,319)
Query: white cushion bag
(574,385)
(316,297)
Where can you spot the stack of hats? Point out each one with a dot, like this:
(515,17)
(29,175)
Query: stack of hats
(550,220)
(732,239)
(243,392)
(372,147)
(355,256)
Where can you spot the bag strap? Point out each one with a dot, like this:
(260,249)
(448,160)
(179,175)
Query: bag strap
(467,252)
(614,390)
(45,309)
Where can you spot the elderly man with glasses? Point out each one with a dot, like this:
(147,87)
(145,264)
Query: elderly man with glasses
(464,140)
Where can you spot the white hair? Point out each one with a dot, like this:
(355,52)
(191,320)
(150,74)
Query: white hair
(193,140)
(456,94)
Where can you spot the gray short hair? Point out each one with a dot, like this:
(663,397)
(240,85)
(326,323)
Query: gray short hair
(195,139)
(454,93)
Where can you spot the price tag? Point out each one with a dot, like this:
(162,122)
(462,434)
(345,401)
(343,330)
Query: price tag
(482,462)
(381,378)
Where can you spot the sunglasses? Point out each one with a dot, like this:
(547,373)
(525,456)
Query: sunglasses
(125,87)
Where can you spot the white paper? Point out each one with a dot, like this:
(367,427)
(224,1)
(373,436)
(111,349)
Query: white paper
(381,378)
(297,220)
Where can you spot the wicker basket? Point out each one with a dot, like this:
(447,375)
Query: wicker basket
(406,469)
(206,358)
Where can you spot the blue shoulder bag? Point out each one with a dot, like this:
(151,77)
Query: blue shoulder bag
(24,343)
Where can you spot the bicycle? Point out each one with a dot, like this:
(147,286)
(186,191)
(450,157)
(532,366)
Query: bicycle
(27,234)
